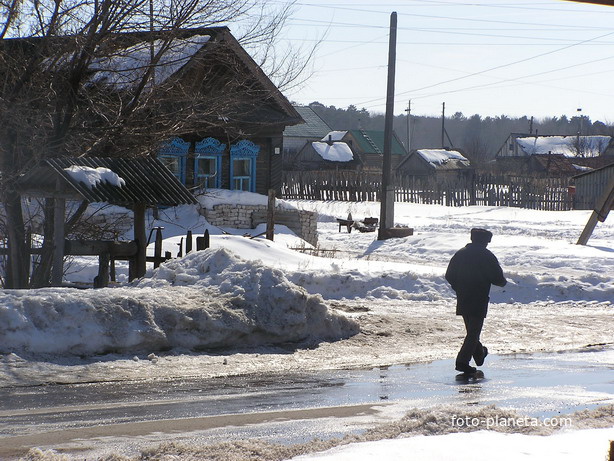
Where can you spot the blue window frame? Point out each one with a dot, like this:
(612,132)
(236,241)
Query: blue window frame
(243,157)
(208,162)
(173,155)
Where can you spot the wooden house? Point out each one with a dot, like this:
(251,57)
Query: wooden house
(348,150)
(243,149)
(212,116)
(368,147)
(439,163)
(552,156)
(328,153)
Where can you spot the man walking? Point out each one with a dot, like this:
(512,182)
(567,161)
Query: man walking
(471,272)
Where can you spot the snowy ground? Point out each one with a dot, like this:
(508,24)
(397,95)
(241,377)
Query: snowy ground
(374,303)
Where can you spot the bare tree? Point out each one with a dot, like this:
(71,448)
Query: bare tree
(65,88)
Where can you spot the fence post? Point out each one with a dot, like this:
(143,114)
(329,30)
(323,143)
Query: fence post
(158,247)
(188,242)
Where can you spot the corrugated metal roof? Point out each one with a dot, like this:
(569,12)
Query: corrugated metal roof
(146,181)
(313,128)
(372,142)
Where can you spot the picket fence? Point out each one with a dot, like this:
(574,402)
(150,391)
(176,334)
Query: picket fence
(477,189)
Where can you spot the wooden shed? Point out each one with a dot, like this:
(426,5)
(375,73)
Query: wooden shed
(440,163)
(134,183)
(590,186)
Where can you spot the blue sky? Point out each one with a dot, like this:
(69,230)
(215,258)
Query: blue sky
(491,57)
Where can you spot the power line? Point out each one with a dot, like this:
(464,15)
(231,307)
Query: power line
(501,66)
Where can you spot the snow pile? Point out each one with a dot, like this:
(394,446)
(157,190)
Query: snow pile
(441,156)
(335,152)
(208,299)
(91,177)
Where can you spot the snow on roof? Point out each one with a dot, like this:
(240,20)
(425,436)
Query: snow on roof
(589,146)
(126,68)
(440,156)
(334,136)
(335,152)
(91,177)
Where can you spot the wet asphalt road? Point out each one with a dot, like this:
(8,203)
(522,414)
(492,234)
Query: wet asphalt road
(541,385)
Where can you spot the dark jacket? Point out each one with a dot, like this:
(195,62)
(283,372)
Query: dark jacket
(471,272)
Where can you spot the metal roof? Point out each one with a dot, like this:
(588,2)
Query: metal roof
(313,128)
(372,142)
(146,181)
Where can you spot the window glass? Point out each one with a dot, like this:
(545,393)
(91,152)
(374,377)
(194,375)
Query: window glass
(172,163)
(242,167)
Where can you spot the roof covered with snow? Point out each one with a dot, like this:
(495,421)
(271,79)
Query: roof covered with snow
(441,157)
(335,152)
(127,66)
(334,136)
(569,146)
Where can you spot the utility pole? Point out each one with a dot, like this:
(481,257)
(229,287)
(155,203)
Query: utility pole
(579,110)
(387,191)
(408,110)
(443,126)
(531,125)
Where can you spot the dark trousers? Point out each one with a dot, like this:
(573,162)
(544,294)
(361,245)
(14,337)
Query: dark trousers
(472,347)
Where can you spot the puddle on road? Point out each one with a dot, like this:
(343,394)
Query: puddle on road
(536,385)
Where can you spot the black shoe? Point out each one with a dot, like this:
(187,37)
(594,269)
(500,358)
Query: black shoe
(479,361)
(465,368)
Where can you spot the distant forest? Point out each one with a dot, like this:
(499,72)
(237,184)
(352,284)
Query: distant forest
(479,138)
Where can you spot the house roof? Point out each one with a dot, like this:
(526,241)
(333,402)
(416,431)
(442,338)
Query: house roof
(440,159)
(372,142)
(556,164)
(127,56)
(313,128)
(118,181)
(596,171)
(589,146)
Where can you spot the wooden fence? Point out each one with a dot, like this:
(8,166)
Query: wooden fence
(477,189)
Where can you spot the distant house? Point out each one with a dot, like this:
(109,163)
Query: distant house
(328,153)
(521,145)
(552,156)
(435,162)
(296,137)
(352,149)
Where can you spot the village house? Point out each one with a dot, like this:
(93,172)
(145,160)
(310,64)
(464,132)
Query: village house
(439,163)
(243,151)
(552,156)
(220,122)
(296,137)
(358,150)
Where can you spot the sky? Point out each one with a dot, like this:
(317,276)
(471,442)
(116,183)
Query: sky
(490,57)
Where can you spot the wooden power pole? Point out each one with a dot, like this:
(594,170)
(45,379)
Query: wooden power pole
(387,192)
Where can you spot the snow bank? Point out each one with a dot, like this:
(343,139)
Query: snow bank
(205,300)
